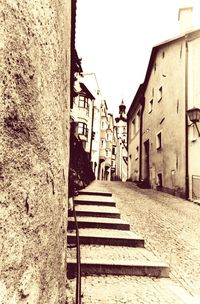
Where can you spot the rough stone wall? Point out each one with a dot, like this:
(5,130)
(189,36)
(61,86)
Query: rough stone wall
(34,111)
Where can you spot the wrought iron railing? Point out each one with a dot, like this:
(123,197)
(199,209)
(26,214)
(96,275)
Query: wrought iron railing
(78,259)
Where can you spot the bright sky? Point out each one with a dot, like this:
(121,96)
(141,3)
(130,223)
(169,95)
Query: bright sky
(114,38)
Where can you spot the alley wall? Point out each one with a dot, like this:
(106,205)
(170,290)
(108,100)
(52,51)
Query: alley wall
(34,111)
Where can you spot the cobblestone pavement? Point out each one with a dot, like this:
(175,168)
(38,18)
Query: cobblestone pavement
(169,225)
(171,229)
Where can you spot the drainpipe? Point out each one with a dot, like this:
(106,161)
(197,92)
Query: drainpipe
(91,139)
(186,124)
(141,130)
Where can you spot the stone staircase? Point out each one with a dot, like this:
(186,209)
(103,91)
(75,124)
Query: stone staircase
(108,247)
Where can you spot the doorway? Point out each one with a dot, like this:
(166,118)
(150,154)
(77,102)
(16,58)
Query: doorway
(146,163)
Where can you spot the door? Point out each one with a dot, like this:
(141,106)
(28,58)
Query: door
(146,162)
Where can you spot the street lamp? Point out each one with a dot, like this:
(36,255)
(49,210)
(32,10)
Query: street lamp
(194,116)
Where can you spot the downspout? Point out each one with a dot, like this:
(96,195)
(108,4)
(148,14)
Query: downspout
(128,169)
(91,139)
(141,131)
(186,124)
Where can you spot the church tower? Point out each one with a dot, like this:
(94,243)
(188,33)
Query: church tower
(121,124)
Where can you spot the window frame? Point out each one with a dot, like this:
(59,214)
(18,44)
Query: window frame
(83,102)
(82,126)
(159,141)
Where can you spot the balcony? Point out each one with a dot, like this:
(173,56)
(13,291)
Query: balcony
(102,154)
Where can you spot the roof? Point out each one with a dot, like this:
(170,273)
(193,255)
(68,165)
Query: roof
(190,35)
(136,99)
(85,90)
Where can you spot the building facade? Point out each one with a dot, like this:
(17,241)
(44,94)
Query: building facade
(134,121)
(169,142)
(107,145)
(91,82)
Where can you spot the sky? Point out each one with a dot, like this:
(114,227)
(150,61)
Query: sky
(114,38)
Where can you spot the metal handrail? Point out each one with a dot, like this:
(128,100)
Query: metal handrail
(78,260)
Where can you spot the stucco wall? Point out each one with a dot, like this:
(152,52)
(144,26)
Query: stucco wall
(133,143)
(34,89)
(194,101)
(167,116)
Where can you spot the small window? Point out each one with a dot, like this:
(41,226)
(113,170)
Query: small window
(138,121)
(163,54)
(136,152)
(106,152)
(102,143)
(133,127)
(83,102)
(154,67)
(151,106)
(160,181)
(160,94)
(82,129)
(159,141)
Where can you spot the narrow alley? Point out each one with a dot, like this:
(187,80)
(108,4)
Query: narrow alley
(171,229)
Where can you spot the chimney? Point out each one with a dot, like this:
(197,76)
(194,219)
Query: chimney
(185,19)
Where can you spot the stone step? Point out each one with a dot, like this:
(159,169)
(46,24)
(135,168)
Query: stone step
(96,211)
(130,289)
(93,192)
(106,237)
(94,200)
(95,222)
(107,260)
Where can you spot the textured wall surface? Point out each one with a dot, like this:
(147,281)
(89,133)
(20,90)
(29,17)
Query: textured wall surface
(34,110)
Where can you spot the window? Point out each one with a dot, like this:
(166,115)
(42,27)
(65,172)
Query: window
(82,129)
(136,152)
(163,54)
(102,125)
(151,106)
(159,179)
(83,102)
(114,150)
(133,127)
(160,94)
(106,152)
(102,143)
(159,141)
(124,129)
(108,136)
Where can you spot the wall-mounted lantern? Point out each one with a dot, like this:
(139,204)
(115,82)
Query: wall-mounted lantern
(194,116)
